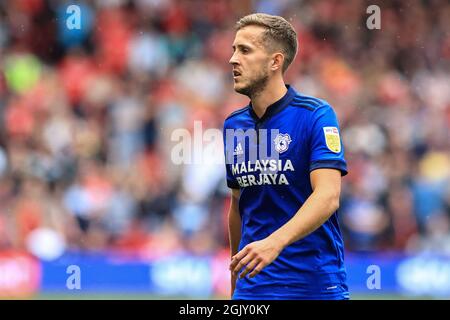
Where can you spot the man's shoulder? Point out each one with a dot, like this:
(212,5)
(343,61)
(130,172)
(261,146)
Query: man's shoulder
(308,102)
(237,113)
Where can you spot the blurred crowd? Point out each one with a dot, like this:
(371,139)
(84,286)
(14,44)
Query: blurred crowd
(87,118)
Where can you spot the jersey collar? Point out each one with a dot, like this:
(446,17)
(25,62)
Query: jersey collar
(275,107)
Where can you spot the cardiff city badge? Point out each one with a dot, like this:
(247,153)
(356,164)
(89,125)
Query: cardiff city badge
(332,139)
(282,142)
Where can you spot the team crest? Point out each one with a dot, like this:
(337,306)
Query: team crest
(332,139)
(282,142)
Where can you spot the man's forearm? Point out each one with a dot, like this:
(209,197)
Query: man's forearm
(234,229)
(313,213)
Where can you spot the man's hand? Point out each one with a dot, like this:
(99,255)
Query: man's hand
(255,256)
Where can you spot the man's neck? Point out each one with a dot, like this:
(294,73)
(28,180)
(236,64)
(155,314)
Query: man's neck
(271,94)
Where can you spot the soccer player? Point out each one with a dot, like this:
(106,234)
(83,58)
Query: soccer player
(283,226)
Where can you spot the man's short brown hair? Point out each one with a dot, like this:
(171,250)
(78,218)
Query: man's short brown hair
(279,34)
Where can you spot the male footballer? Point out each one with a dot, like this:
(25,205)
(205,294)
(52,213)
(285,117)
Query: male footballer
(283,226)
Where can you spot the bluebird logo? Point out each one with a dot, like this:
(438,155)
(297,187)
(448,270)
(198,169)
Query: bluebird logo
(282,142)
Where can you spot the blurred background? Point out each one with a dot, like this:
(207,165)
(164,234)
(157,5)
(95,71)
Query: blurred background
(87,176)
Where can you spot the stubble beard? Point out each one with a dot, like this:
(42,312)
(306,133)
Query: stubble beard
(256,86)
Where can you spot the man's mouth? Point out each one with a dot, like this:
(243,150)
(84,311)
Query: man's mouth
(236,73)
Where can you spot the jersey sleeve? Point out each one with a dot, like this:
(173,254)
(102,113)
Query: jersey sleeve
(228,143)
(327,150)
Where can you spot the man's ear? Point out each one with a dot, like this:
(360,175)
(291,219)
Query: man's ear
(277,61)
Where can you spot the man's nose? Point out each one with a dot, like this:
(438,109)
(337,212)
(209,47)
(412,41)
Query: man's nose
(233,59)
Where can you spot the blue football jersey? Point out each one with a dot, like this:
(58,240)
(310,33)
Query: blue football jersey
(270,159)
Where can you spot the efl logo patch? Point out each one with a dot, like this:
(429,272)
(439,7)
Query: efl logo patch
(332,139)
(282,142)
